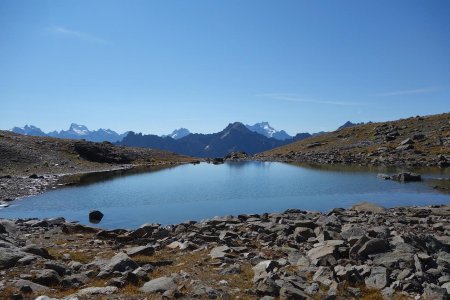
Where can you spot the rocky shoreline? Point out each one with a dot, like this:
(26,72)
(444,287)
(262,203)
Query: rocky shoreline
(365,252)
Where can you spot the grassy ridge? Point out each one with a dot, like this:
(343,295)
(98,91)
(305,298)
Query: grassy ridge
(376,144)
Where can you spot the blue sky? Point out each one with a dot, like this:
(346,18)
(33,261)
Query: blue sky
(153,66)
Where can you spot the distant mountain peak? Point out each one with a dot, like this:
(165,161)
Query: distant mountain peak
(79,129)
(265,129)
(179,133)
(75,131)
(349,124)
(29,130)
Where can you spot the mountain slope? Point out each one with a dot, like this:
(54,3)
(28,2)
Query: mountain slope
(235,137)
(418,141)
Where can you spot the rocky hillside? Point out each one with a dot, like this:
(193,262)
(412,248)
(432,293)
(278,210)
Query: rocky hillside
(366,252)
(417,141)
(22,154)
(29,164)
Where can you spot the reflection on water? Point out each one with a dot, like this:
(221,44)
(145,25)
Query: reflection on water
(193,192)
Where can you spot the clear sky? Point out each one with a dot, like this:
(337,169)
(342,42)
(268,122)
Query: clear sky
(153,66)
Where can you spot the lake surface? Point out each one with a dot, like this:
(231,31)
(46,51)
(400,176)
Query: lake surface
(195,192)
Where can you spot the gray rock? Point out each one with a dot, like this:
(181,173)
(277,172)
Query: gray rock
(393,260)
(140,250)
(204,292)
(47,277)
(406,176)
(324,250)
(373,246)
(94,291)
(446,286)
(58,267)
(353,233)
(219,252)
(435,292)
(44,297)
(141,274)
(407,141)
(36,250)
(74,280)
(312,289)
(368,207)
(288,291)
(378,278)
(120,262)
(304,232)
(324,275)
(230,270)
(159,285)
(34,286)
(9,257)
(443,259)
(261,270)
(354,250)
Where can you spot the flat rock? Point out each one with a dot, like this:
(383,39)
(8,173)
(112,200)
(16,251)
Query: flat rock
(140,250)
(94,291)
(378,278)
(368,207)
(159,285)
(219,252)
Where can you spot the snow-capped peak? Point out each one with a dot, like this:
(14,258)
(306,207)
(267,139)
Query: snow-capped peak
(179,133)
(265,129)
(79,129)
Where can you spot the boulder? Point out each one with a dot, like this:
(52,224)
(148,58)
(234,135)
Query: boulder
(9,257)
(47,277)
(95,216)
(36,250)
(406,177)
(323,250)
(378,278)
(30,285)
(74,280)
(159,285)
(121,262)
(393,260)
(373,246)
(261,270)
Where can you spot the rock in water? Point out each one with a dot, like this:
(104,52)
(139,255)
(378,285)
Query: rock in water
(95,216)
(406,177)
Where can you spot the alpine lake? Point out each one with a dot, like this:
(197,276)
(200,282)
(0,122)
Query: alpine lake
(173,195)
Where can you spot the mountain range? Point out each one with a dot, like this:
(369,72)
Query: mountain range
(235,137)
(75,131)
